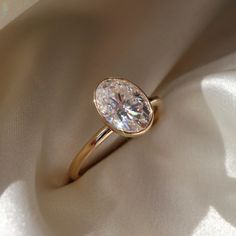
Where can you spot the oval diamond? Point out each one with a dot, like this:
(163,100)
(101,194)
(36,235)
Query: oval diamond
(123,105)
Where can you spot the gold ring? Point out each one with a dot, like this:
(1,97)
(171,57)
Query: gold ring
(125,109)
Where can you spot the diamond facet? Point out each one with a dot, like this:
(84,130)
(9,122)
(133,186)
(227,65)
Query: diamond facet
(123,105)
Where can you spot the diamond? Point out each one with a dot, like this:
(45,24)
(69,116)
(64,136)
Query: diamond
(123,105)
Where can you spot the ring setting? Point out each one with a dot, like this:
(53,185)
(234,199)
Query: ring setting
(123,106)
(124,109)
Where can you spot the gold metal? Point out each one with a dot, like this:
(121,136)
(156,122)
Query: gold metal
(102,134)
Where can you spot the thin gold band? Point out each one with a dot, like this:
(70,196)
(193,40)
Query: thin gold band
(100,136)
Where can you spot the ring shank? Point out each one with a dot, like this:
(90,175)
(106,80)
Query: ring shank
(100,136)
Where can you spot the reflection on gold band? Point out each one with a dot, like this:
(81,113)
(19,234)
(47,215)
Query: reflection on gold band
(100,136)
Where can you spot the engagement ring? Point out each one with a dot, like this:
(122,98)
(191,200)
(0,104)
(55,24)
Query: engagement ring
(125,109)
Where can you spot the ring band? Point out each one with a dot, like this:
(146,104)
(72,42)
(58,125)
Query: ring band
(125,109)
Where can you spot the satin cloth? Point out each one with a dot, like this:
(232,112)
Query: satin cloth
(177,180)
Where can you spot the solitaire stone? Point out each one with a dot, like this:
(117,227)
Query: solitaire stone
(123,105)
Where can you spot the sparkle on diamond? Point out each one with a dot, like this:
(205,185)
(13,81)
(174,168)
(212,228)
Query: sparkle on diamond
(123,105)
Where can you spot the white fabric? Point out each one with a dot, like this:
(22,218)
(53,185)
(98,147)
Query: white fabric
(177,180)
(10,9)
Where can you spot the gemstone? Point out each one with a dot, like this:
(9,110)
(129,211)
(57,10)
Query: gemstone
(123,105)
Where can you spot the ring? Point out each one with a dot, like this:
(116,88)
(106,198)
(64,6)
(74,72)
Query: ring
(125,109)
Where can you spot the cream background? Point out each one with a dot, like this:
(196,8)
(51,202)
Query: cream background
(10,9)
(179,179)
